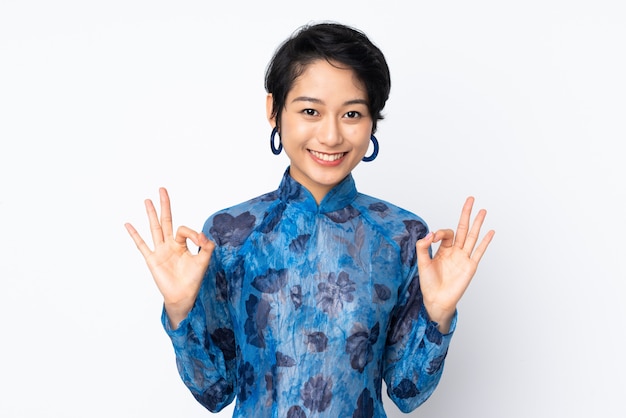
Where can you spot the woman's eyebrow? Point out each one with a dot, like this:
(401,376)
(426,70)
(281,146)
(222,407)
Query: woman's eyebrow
(356,101)
(319,101)
(307,99)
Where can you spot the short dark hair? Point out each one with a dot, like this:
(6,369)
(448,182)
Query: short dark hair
(332,42)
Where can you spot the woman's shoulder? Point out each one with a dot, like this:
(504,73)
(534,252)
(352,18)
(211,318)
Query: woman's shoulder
(255,205)
(396,224)
(387,215)
(234,222)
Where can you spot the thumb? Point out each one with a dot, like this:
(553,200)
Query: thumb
(206,248)
(422,247)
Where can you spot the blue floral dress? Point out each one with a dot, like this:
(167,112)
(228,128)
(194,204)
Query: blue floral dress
(306,308)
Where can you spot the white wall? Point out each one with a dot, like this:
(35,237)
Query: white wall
(518,103)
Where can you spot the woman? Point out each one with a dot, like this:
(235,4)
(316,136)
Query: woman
(301,301)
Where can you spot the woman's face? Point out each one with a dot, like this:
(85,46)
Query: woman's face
(325,126)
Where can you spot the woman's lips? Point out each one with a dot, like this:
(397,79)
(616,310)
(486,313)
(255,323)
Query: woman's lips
(327,158)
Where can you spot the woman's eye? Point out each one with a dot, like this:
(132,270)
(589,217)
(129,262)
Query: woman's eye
(309,112)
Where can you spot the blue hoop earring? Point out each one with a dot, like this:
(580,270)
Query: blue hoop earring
(275,150)
(375,152)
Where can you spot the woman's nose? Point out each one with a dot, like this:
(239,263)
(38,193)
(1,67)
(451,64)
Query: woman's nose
(329,133)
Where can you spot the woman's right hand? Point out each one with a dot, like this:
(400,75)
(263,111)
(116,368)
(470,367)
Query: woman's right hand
(176,271)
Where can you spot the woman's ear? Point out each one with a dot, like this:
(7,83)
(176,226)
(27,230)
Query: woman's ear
(269,107)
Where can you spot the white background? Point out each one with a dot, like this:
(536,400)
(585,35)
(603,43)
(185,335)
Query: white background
(519,103)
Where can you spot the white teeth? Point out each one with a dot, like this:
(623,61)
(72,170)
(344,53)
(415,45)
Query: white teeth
(327,157)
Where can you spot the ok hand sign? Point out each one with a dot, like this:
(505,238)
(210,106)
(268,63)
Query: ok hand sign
(177,272)
(445,277)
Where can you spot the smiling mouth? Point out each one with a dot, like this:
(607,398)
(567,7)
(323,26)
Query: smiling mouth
(327,157)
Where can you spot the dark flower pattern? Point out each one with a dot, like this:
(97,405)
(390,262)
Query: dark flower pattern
(221,286)
(331,309)
(359,345)
(272,218)
(231,230)
(296,412)
(291,191)
(296,296)
(436,364)
(415,230)
(298,245)
(268,197)
(406,389)
(214,394)
(317,393)
(403,318)
(316,341)
(364,405)
(383,293)
(333,292)
(258,311)
(224,338)
(433,335)
(380,208)
(237,273)
(343,215)
(283,360)
(270,282)
(247,379)
(378,380)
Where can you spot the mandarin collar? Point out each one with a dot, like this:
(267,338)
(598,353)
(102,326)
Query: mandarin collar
(293,193)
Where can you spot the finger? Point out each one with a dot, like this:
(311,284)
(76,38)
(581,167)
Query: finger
(446,236)
(183,234)
(463,227)
(155,226)
(482,247)
(139,242)
(472,237)
(422,250)
(206,248)
(166,213)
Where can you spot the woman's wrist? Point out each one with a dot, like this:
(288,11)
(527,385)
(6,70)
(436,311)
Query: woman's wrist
(177,312)
(442,316)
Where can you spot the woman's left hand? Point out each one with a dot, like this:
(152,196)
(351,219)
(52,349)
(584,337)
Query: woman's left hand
(445,277)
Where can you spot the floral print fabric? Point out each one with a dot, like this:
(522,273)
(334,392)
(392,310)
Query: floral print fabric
(305,309)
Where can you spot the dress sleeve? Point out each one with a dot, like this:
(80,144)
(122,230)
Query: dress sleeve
(415,350)
(204,343)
